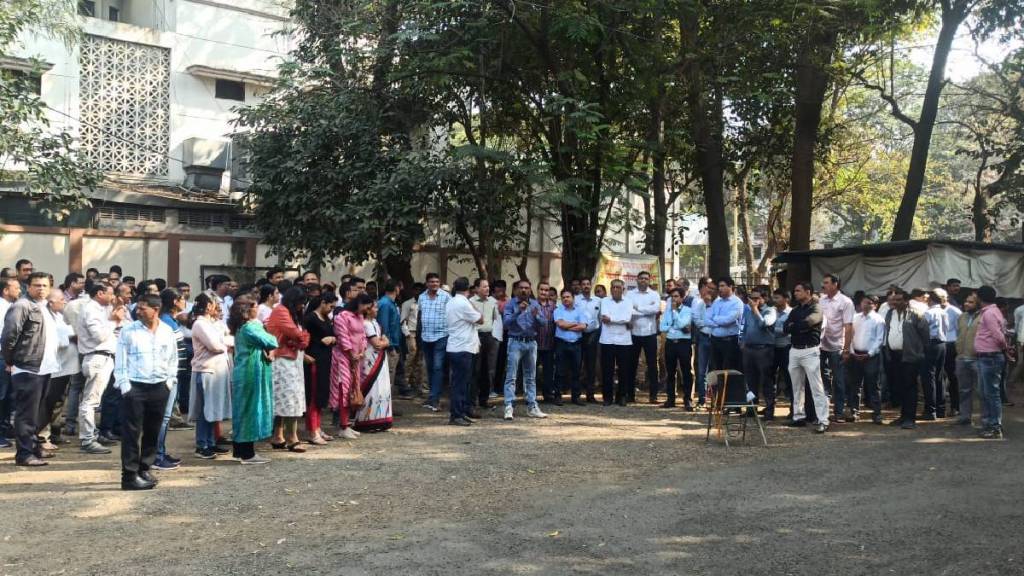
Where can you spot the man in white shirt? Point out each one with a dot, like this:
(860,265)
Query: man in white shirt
(707,291)
(30,348)
(591,305)
(865,361)
(97,328)
(53,402)
(616,315)
(646,305)
(490,332)
(462,347)
(836,336)
(935,356)
(11,291)
(952,382)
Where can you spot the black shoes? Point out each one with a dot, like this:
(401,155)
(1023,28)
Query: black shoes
(136,482)
(473,414)
(797,423)
(32,462)
(667,405)
(578,402)
(459,422)
(148,477)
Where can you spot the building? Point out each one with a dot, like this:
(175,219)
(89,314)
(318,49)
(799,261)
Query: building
(148,94)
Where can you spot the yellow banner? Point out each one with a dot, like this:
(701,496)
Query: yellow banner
(625,267)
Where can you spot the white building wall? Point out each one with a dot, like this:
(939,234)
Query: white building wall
(48,252)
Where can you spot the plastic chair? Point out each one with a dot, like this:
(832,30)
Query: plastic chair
(727,390)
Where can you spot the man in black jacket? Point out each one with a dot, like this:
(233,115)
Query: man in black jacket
(804,327)
(906,336)
(30,346)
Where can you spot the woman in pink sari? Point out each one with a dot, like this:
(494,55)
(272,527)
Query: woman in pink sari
(346,359)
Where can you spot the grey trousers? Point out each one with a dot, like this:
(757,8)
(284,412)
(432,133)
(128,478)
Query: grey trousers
(967,377)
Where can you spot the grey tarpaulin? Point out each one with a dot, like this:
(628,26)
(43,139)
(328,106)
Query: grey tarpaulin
(927,267)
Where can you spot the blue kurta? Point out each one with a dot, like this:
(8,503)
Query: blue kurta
(252,391)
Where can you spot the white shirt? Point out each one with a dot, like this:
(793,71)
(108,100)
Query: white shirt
(620,313)
(95,329)
(868,333)
(896,330)
(646,307)
(1018,319)
(592,307)
(953,313)
(50,363)
(68,352)
(263,312)
(462,318)
(5,306)
(488,308)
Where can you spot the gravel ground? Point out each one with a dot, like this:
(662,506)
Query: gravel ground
(588,491)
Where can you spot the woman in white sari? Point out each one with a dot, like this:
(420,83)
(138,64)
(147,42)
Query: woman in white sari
(210,398)
(375,413)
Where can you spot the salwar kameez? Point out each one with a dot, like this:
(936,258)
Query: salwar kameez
(252,390)
(351,341)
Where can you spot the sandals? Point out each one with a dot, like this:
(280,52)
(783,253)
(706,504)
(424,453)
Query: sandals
(297,448)
(280,446)
(317,441)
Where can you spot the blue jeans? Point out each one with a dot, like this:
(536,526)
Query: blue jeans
(461,364)
(832,375)
(525,351)
(703,361)
(990,370)
(204,428)
(172,397)
(433,356)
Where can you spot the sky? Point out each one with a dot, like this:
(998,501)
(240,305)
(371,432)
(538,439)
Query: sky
(962,62)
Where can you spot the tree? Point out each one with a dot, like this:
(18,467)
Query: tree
(42,163)
(336,170)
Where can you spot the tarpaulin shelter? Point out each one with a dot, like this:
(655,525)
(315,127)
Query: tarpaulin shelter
(909,264)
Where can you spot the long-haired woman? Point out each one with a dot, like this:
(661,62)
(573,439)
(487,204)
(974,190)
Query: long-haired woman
(317,323)
(285,324)
(210,397)
(346,359)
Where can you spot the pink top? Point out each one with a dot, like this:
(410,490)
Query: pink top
(209,343)
(350,332)
(838,312)
(990,337)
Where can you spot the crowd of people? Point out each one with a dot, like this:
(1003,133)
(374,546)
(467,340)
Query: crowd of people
(279,357)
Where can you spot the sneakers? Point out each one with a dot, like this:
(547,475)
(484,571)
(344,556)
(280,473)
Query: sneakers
(508,412)
(991,433)
(5,443)
(95,448)
(165,463)
(205,453)
(459,422)
(492,395)
(908,425)
(821,428)
(257,459)
(430,407)
(220,449)
(348,434)
(534,412)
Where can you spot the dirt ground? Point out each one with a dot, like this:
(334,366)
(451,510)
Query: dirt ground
(589,491)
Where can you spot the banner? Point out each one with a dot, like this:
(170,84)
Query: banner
(625,267)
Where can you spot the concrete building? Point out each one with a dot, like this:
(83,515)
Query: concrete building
(148,94)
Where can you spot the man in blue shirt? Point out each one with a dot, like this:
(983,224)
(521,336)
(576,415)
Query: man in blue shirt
(723,318)
(589,347)
(570,324)
(759,344)
(676,323)
(432,330)
(522,319)
(390,322)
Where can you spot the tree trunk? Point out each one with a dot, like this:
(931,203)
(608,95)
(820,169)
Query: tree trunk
(524,257)
(657,223)
(399,267)
(706,119)
(979,216)
(742,206)
(953,14)
(811,84)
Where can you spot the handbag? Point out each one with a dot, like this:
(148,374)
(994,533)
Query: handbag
(356,399)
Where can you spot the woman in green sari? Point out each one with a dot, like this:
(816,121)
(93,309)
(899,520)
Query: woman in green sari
(252,391)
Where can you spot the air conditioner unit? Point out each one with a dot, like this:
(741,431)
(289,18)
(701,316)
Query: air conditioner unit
(205,161)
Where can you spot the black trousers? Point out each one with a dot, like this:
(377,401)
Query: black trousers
(725,353)
(243,450)
(142,413)
(677,358)
(758,361)
(567,356)
(781,364)
(29,391)
(893,362)
(905,388)
(590,350)
(931,377)
(953,385)
(649,346)
(616,359)
(56,388)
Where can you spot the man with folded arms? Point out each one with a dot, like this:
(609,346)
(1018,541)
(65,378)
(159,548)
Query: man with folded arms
(97,340)
(570,323)
(145,369)
(865,362)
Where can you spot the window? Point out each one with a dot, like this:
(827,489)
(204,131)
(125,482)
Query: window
(113,14)
(758,251)
(124,213)
(202,219)
(230,90)
(87,8)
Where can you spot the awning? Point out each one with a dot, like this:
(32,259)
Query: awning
(233,75)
